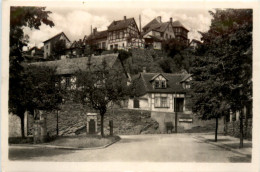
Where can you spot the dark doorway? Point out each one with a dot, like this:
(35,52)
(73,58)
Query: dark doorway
(92,126)
(179,102)
(136,103)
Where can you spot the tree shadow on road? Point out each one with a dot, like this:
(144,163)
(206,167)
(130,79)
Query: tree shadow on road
(31,153)
(240,159)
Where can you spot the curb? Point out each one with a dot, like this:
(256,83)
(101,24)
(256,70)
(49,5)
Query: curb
(223,146)
(63,147)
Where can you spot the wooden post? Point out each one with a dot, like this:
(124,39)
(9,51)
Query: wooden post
(216,129)
(111,127)
(176,116)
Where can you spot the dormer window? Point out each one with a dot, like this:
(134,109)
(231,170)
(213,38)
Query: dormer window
(163,84)
(159,81)
(157,84)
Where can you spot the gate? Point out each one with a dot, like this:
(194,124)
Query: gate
(92,126)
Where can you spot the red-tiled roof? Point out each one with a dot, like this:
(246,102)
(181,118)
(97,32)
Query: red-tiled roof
(57,37)
(120,24)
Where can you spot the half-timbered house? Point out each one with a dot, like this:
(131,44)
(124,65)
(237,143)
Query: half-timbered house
(124,34)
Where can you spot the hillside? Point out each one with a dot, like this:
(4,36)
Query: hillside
(72,121)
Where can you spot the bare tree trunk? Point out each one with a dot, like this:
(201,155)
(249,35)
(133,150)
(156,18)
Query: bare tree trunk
(57,125)
(246,123)
(22,126)
(20,113)
(102,125)
(241,129)
(216,130)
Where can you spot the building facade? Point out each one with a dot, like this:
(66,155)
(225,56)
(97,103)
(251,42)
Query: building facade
(124,34)
(156,31)
(181,32)
(48,44)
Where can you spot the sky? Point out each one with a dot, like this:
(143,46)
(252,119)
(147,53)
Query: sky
(76,22)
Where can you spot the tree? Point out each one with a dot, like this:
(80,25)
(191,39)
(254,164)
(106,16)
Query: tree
(100,87)
(181,56)
(224,68)
(58,49)
(21,17)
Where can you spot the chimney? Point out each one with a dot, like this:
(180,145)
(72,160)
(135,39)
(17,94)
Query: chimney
(124,17)
(144,69)
(159,18)
(94,31)
(171,20)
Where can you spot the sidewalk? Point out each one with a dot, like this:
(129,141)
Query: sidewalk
(227,142)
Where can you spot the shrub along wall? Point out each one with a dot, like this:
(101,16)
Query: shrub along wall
(233,129)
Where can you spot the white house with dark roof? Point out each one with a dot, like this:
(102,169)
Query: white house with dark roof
(48,44)
(157,31)
(163,94)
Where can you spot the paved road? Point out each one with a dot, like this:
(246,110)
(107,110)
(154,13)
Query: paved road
(154,148)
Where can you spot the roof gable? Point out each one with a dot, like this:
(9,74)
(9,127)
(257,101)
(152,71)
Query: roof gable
(173,83)
(156,76)
(57,37)
(177,23)
(153,22)
(121,24)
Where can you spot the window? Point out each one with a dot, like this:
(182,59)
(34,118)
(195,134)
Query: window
(116,46)
(136,103)
(157,84)
(178,104)
(123,45)
(163,84)
(164,102)
(111,47)
(117,35)
(67,84)
(160,84)
(161,102)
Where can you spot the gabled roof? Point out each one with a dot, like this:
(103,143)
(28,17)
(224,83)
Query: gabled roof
(70,66)
(196,41)
(177,23)
(120,24)
(56,37)
(144,83)
(154,21)
(98,35)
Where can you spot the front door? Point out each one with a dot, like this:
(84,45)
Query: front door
(92,126)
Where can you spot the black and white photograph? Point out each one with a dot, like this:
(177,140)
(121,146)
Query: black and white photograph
(129,82)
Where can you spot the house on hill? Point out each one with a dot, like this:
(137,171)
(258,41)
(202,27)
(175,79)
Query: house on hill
(49,43)
(181,32)
(98,39)
(156,31)
(124,34)
(194,44)
(34,54)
